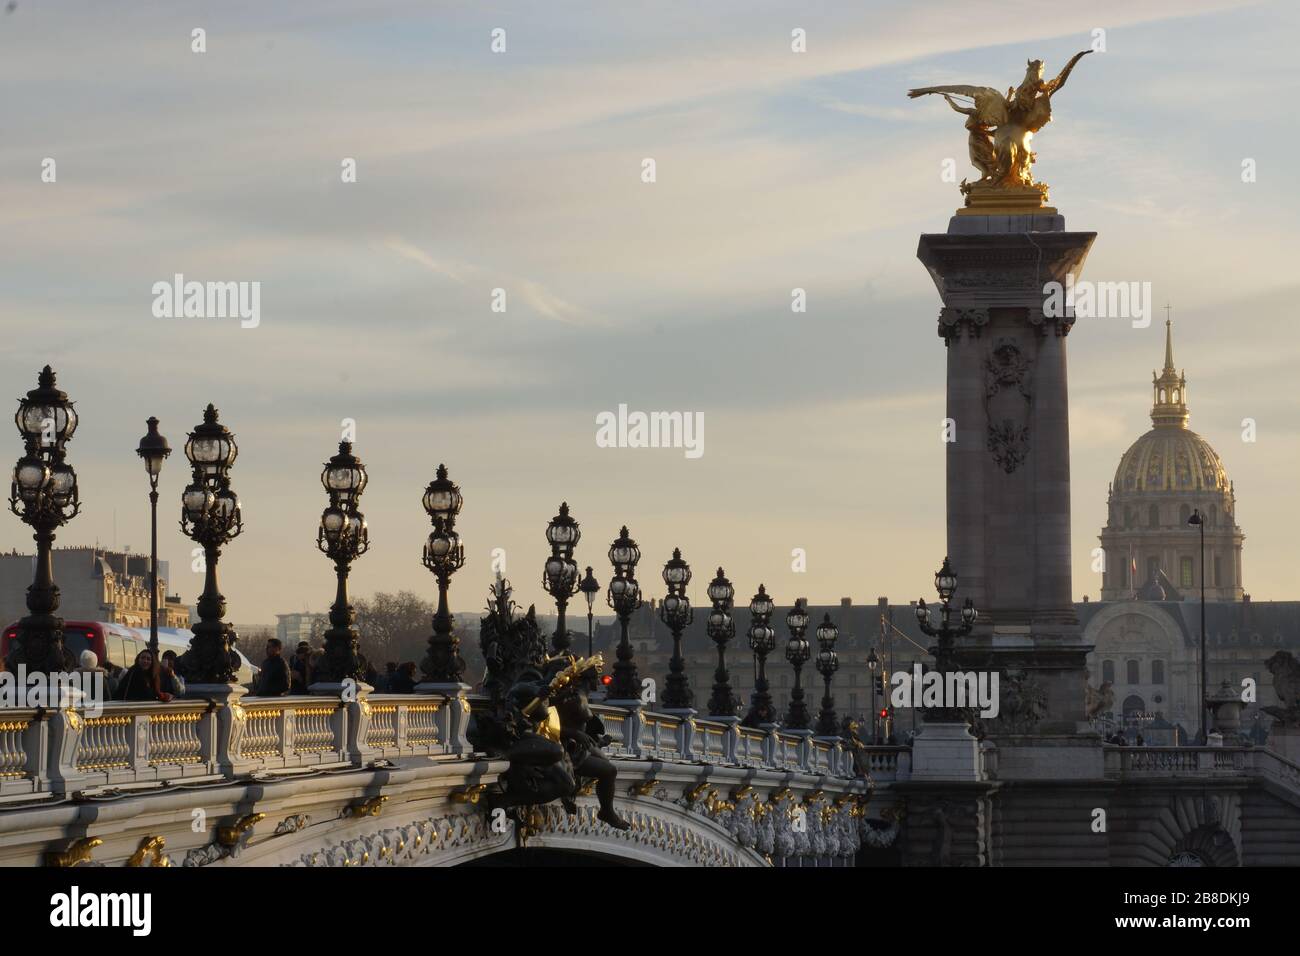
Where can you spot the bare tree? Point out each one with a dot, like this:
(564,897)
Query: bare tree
(394,627)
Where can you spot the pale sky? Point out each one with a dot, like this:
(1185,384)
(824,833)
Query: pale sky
(522,170)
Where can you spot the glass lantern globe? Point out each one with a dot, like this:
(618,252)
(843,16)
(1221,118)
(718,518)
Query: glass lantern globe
(720,590)
(63,484)
(442,498)
(623,553)
(344,475)
(796,619)
(761,605)
(562,533)
(30,475)
(332,523)
(196,502)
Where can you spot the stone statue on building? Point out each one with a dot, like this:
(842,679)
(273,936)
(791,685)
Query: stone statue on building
(1100,700)
(1286,684)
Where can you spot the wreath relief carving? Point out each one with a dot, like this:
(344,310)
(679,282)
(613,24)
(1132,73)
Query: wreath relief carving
(1007,398)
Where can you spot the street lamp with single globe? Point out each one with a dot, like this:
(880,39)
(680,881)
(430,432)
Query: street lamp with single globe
(589,587)
(721,629)
(210,516)
(342,537)
(444,555)
(676,613)
(44,495)
(827,663)
(1197,520)
(872,663)
(153,449)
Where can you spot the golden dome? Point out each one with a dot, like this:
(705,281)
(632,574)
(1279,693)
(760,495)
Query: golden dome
(1170,459)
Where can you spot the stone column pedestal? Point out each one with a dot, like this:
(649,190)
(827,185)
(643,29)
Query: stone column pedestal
(1008,469)
(946,752)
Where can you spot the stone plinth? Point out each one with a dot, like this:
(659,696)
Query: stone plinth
(1008,469)
(946,752)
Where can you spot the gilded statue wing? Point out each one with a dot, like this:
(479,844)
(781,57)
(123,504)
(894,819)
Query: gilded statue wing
(990,105)
(1054,85)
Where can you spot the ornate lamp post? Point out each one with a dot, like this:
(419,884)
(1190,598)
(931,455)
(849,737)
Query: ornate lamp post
(828,662)
(44,495)
(872,663)
(762,641)
(1197,520)
(676,613)
(797,653)
(153,449)
(444,555)
(721,629)
(560,576)
(210,516)
(945,582)
(343,537)
(624,597)
(589,587)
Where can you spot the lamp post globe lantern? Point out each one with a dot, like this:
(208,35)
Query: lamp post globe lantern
(342,537)
(44,495)
(153,450)
(797,653)
(945,582)
(721,628)
(211,517)
(827,663)
(589,587)
(444,555)
(560,574)
(624,597)
(677,614)
(762,641)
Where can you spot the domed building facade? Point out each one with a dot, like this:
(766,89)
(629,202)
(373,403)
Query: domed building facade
(1151,551)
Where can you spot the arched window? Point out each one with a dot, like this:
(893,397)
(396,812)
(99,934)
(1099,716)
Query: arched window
(1157,672)
(1185,573)
(1153,516)
(1108,671)
(1134,705)
(1134,672)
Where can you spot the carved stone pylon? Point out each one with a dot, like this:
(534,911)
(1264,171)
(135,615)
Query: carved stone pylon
(1008,470)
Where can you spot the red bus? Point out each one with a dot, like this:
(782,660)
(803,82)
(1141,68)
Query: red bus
(119,644)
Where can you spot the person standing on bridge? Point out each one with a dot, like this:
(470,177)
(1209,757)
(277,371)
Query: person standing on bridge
(274,678)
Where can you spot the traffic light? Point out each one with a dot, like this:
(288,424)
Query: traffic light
(880,684)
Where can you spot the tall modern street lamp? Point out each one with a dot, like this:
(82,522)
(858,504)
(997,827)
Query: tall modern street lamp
(343,537)
(872,663)
(945,582)
(153,449)
(797,653)
(44,495)
(624,597)
(676,612)
(828,662)
(210,516)
(1198,520)
(560,575)
(444,555)
(762,641)
(589,587)
(721,629)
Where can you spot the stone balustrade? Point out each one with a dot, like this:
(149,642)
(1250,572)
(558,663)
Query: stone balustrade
(142,745)
(138,744)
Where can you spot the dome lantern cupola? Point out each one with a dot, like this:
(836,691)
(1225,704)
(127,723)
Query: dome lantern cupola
(1169,389)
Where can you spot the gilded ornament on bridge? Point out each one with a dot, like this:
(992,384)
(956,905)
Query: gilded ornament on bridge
(1000,131)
